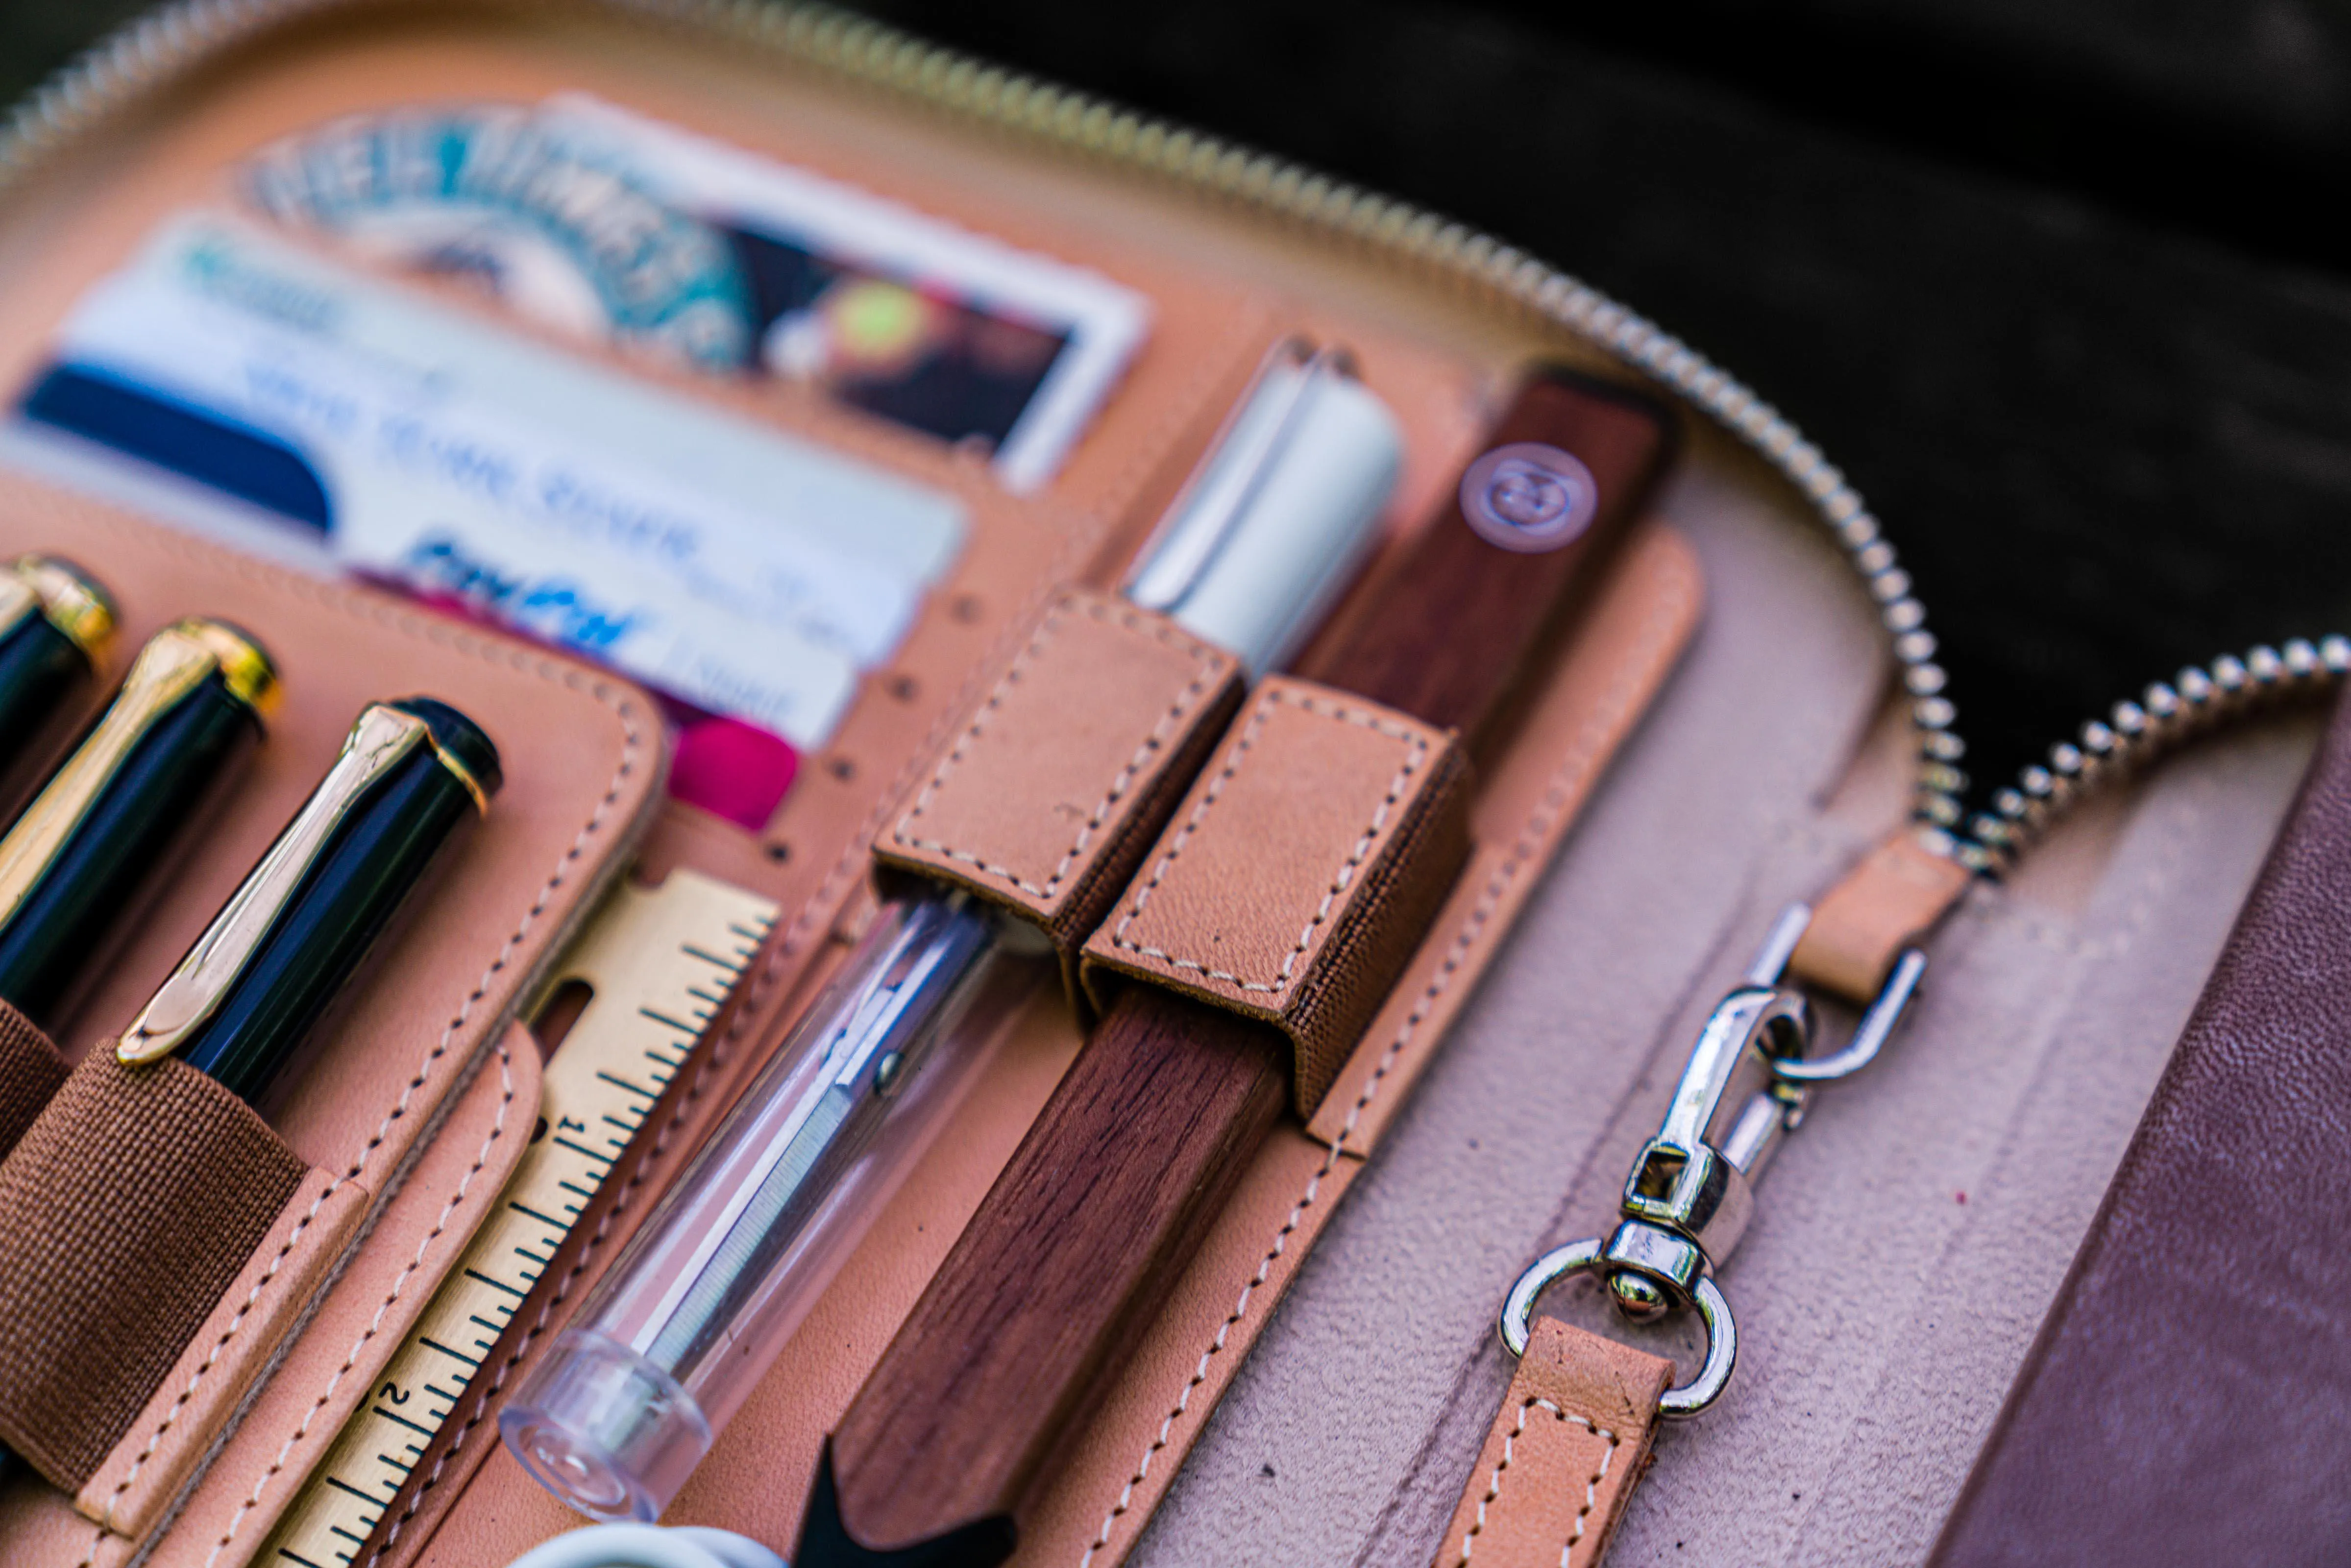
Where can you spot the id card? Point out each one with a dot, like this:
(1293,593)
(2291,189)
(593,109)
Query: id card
(621,229)
(747,573)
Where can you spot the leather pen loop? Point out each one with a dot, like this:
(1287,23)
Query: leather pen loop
(1690,1194)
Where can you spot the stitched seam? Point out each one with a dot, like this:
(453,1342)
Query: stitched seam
(631,741)
(439,634)
(375,1323)
(812,913)
(1591,1485)
(1415,755)
(1566,781)
(236,1320)
(1187,701)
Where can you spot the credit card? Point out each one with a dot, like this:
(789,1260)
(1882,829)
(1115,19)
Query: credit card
(743,571)
(620,228)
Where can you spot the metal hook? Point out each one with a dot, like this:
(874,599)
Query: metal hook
(1691,1190)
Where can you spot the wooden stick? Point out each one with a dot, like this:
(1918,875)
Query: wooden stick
(1105,1201)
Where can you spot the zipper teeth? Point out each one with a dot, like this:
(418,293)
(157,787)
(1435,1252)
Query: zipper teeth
(880,55)
(150,51)
(2135,734)
(146,54)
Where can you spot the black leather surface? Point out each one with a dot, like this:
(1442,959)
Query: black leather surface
(2188,1400)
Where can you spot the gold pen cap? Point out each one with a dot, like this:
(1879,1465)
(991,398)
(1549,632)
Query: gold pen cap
(70,597)
(168,670)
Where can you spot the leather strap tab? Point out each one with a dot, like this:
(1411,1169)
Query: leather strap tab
(1882,905)
(1566,1449)
(29,1073)
(126,1209)
(1299,873)
(1049,795)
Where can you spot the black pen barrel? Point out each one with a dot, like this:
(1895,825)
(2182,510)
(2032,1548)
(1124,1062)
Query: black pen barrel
(112,815)
(315,939)
(55,623)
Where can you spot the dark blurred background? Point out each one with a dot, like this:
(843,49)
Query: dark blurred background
(2064,285)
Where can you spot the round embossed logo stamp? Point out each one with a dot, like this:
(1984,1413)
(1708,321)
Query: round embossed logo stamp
(1529,496)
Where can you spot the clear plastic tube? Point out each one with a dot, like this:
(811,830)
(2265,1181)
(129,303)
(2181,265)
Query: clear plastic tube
(1284,509)
(636,1389)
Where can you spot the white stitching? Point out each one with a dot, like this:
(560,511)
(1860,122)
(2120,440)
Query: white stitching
(1591,1487)
(155,1439)
(1573,770)
(816,909)
(632,740)
(440,635)
(1185,700)
(375,1323)
(1417,754)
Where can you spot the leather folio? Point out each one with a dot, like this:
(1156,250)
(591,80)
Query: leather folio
(1558,968)
(2188,1398)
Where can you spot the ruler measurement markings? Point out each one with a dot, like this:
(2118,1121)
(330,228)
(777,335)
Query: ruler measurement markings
(618,1081)
(655,955)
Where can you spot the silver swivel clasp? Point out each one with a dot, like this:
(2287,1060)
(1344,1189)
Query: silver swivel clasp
(1691,1191)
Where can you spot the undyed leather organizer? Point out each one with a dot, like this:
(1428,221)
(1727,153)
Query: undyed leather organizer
(1340,1430)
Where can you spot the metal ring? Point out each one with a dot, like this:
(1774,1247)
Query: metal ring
(1713,1311)
(1553,1266)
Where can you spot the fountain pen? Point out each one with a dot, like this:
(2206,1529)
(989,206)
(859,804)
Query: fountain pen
(296,932)
(249,994)
(55,623)
(104,826)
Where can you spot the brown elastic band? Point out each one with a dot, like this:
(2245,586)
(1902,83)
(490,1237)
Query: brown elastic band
(29,1073)
(126,1211)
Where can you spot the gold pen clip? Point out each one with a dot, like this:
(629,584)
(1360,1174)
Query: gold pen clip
(175,663)
(379,741)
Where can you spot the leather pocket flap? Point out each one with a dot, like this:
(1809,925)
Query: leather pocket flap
(1300,872)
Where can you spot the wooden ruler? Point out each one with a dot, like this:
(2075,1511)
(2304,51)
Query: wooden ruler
(658,962)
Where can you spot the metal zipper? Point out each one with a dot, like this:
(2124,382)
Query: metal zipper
(146,54)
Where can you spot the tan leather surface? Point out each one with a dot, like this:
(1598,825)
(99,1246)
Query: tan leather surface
(1888,903)
(1908,1238)
(583,759)
(785,1418)
(1527,799)
(1568,1446)
(131,1203)
(1576,721)
(1049,794)
(29,1073)
(1304,865)
(1133,1444)
(1222,286)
